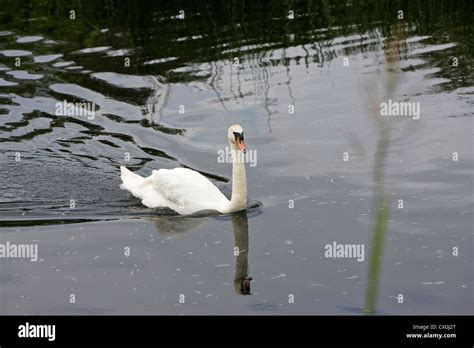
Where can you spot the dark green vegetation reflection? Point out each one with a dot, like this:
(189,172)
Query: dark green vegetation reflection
(219,30)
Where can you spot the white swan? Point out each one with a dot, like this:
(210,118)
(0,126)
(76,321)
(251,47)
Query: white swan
(187,191)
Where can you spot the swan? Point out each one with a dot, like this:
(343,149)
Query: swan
(186,191)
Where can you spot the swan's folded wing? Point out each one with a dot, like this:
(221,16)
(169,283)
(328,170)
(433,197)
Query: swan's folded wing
(150,197)
(187,189)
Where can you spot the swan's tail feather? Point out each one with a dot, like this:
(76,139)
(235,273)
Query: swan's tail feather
(141,188)
(131,181)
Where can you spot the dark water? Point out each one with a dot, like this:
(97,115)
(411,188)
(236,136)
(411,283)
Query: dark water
(140,64)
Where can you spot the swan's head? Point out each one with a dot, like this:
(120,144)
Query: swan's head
(242,285)
(235,135)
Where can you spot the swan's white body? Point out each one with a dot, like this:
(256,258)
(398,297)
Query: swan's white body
(187,191)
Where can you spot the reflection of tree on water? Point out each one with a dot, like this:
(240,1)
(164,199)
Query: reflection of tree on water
(256,66)
(176,226)
(158,99)
(216,34)
(215,71)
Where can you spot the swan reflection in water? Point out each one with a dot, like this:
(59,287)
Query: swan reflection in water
(174,226)
(240,227)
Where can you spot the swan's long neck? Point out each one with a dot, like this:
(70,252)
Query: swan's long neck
(239,181)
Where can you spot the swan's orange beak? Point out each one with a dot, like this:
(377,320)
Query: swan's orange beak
(241,145)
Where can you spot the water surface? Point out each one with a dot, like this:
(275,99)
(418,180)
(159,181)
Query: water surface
(166,90)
